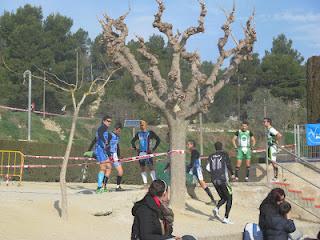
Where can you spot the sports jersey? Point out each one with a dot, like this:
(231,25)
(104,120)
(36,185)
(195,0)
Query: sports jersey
(144,138)
(219,164)
(102,136)
(271,136)
(114,140)
(244,138)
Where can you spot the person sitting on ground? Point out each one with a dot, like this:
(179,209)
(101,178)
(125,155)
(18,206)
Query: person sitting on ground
(153,219)
(270,207)
(279,226)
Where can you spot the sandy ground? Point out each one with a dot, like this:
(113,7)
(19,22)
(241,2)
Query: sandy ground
(31,212)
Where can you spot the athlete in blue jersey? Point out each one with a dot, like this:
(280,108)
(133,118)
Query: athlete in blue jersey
(101,153)
(113,151)
(145,136)
(195,168)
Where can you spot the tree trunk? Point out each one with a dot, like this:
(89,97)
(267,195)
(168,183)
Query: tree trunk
(178,130)
(313,89)
(63,172)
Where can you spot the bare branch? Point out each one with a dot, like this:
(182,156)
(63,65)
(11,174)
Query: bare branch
(194,30)
(164,27)
(153,69)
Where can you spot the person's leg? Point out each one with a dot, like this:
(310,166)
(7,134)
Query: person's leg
(248,163)
(151,168)
(227,192)
(100,176)
(143,171)
(238,165)
(220,202)
(206,189)
(120,174)
(107,174)
(273,159)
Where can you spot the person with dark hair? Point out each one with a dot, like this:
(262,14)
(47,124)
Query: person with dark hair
(273,138)
(279,226)
(195,169)
(113,151)
(145,136)
(218,165)
(101,143)
(243,140)
(153,219)
(270,206)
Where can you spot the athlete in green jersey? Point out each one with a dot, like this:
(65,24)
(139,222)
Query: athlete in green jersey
(243,140)
(273,137)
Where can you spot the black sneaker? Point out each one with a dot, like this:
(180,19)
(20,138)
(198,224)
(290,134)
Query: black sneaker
(119,189)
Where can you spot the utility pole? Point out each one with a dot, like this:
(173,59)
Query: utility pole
(44,95)
(200,121)
(29,101)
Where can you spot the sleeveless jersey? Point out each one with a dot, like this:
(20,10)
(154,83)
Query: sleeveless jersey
(271,136)
(144,141)
(115,139)
(244,138)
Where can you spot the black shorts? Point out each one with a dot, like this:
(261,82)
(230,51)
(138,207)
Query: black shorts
(146,162)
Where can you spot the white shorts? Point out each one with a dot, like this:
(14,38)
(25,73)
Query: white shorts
(116,162)
(272,153)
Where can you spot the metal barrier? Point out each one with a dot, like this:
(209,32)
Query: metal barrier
(11,164)
(302,150)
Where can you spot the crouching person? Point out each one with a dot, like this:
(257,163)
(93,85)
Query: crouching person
(153,219)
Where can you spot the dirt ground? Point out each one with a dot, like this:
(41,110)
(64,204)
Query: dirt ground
(31,212)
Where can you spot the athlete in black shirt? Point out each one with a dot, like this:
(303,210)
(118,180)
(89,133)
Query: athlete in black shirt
(218,166)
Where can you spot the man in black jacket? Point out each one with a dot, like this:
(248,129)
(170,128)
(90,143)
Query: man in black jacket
(219,164)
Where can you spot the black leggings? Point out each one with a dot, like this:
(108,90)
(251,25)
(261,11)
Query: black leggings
(225,194)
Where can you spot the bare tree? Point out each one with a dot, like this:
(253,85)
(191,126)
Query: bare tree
(95,87)
(176,101)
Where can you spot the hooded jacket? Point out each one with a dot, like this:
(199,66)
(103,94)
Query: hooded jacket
(148,221)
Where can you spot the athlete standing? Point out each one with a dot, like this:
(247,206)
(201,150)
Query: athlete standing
(113,151)
(145,136)
(219,164)
(273,138)
(101,153)
(243,140)
(195,169)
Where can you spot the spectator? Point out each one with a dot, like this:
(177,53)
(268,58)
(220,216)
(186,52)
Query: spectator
(153,219)
(270,206)
(279,226)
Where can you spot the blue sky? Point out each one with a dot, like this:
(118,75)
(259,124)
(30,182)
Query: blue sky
(298,20)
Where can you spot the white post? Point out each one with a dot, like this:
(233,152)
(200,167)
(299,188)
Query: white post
(29,102)
(44,95)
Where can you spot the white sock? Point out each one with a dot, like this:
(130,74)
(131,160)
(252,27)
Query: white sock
(153,175)
(144,177)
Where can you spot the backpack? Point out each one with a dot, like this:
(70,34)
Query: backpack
(252,231)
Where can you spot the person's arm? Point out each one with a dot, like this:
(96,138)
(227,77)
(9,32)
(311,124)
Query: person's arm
(108,146)
(253,140)
(278,137)
(234,139)
(228,163)
(146,226)
(101,134)
(133,141)
(118,150)
(289,226)
(156,137)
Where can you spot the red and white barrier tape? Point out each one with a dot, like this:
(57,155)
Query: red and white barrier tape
(123,160)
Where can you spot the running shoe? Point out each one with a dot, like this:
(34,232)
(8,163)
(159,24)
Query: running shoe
(119,189)
(274,179)
(216,213)
(106,190)
(99,190)
(226,221)
(236,179)
(246,179)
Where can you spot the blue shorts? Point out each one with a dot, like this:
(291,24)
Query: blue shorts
(197,172)
(100,154)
